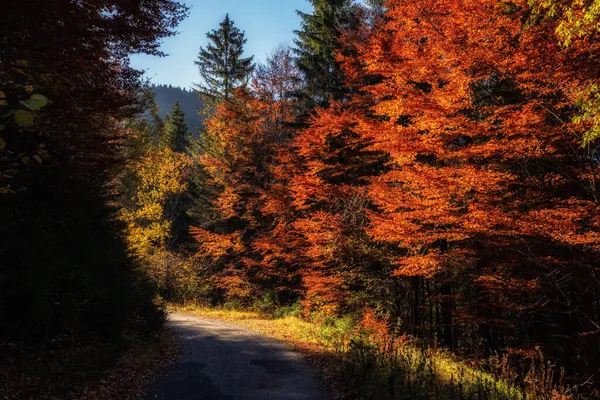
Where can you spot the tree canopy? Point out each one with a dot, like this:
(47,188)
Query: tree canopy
(221,65)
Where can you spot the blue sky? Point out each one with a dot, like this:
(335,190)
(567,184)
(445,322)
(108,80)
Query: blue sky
(267,24)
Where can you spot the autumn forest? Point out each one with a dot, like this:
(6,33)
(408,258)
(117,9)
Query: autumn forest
(416,177)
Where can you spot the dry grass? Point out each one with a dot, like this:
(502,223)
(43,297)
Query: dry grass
(289,328)
(353,367)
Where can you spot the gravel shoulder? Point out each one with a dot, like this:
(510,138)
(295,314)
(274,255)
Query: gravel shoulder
(223,361)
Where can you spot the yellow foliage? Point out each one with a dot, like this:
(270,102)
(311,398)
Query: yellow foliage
(160,176)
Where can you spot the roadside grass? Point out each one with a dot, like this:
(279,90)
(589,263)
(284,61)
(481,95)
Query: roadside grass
(356,365)
(288,328)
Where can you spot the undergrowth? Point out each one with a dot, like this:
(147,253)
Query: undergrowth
(397,368)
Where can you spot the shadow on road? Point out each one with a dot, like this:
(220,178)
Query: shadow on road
(226,362)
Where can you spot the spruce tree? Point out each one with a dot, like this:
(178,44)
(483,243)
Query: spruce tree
(316,44)
(176,133)
(222,67)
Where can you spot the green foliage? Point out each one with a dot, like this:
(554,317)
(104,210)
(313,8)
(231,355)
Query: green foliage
(336,332)
(165,97)
(202,191)
(175,134)
(18,111)
(24,118)
(267,304)
(294,310)
(221,65)
(316,44)
(233,304)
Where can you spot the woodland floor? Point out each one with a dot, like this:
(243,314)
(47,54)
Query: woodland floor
(72,369)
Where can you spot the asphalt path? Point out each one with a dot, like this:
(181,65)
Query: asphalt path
(223,361)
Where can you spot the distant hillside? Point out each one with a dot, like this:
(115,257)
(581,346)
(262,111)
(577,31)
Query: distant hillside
(167,95)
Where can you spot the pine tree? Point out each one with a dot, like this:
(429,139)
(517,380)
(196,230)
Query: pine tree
(316,45)
(176,133)
(222,67)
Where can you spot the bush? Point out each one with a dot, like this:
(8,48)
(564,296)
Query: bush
(233,304)
(293,310)
(336,332)
(267,304)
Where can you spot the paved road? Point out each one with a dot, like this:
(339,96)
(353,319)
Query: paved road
(222,361)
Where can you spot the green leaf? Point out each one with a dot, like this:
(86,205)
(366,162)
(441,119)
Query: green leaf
(22,63)
(2,144)
(2,126)
(39,99)
(26,160)
(32,105)
(24,118)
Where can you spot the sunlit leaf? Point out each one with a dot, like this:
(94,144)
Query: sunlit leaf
(37,158)
(28,88)
(2,95)
(24,118)
(3,103)
(21,63)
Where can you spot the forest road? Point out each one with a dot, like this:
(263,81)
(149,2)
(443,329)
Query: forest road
(223,361)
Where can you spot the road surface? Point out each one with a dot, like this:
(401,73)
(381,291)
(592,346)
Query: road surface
(223,361)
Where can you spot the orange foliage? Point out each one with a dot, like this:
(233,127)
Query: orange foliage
(376,327)
(451,186)
(489,193)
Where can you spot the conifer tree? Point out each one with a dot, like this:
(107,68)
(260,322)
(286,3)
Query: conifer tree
(176,130)
(222,67)
(316,45)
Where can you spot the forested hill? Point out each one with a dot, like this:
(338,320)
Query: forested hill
(165,97)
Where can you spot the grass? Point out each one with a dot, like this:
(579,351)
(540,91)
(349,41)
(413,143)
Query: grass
(288,328)
(354,366)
